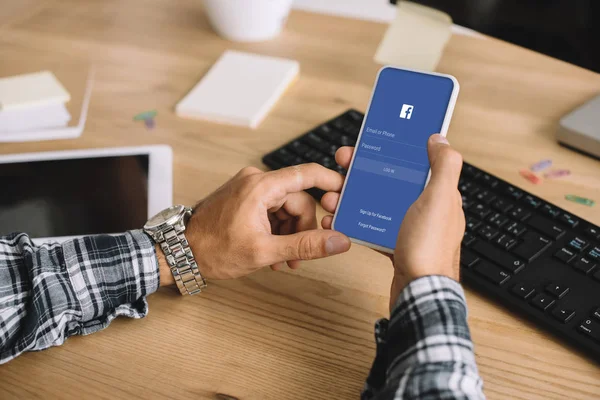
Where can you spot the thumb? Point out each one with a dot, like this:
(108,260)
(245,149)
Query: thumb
(446,163)
(309,245)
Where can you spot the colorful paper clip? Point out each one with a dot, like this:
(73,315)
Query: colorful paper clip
(557,173)
(145,115)
(530,176)
(580,200)
(541,165)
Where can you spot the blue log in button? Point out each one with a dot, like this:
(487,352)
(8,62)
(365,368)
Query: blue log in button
(390,170)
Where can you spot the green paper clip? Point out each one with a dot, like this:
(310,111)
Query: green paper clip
(580,200)
(145,115)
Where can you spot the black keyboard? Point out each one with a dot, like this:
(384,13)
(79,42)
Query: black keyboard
(530,255)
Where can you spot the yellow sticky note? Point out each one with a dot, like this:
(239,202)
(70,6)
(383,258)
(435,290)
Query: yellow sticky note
(416,38)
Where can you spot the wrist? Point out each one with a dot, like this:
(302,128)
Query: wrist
(166,277)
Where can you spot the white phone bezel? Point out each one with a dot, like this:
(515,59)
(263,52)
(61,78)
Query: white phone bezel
(160,172)
(444,131)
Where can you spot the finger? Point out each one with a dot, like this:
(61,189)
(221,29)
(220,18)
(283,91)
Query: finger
(293,264)
(329,201)
(301,177)
(343,156)
(247,171)
(327,222)
(446,163)
(307,245)
(277,266)
(303,209)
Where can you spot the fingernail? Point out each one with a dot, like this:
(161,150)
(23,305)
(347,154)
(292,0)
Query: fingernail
(439,139)
(337,245)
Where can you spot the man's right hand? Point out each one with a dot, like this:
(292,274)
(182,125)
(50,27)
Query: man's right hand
(433,227)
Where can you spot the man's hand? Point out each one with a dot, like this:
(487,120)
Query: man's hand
(431,232)
(260,219)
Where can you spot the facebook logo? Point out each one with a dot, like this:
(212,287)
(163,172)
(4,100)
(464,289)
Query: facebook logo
(406,111)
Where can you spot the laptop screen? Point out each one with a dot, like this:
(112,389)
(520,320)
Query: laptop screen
(69,197)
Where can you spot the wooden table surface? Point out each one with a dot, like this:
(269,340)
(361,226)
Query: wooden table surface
(302,334)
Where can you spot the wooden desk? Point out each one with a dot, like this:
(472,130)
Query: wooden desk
(290,335)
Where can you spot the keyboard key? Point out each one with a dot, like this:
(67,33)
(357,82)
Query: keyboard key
(466,203)
(472,223)
(557,290)
(519,213)
(550,211)
(331,150)
(515,228)
(584,265)
(468,188)
(471,171)
(489,180)
(523,291)
(578,244)
(546,226)
(488,232)
(593,232)
(340,170)
(314,140)
(505,241)
(347,141)
(514,193)
(299,148)
(355,115)
(284,157)
(485,197)
(491,272)
(502,205)
(468,258)
(563,315)
(480,211)
(533,245)
(468,239)
(327,162)
(313,155)
(594,253)
(569,220)
(498,220)
(542,301)
(532,201)
(590,328)
(597,314)
(498,256)
(565,255)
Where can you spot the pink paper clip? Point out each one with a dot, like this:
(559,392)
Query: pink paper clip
(530,176)
(557,173)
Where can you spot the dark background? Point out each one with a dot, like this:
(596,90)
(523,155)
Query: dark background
(565,29)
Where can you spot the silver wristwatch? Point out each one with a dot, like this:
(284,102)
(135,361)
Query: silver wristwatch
(167,229)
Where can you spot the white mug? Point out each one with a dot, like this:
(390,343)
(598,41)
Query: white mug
(247,20)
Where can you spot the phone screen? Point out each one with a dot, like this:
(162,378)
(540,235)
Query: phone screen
(390,166)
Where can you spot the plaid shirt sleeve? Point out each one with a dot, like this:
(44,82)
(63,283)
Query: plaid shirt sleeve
(53,291)
(425,351)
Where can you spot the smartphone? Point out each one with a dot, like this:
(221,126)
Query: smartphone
(390,166)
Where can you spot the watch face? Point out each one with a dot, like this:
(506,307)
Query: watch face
(163,216)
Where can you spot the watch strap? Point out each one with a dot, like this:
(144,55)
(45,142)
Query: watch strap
(181,260)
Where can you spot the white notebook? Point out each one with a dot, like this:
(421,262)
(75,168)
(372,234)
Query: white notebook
(30,90)
(36,117)
(240,89)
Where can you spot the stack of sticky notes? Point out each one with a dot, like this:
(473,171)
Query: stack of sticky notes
(240,89)
(32,101)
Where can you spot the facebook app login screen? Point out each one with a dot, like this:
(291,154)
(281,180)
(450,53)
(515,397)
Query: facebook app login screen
(391,164)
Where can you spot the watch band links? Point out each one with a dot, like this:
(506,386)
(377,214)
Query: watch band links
(180,259)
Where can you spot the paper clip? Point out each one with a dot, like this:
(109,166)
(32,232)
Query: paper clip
(557,173)
(145,115)
(530,176)
(541,165)
(580,200)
